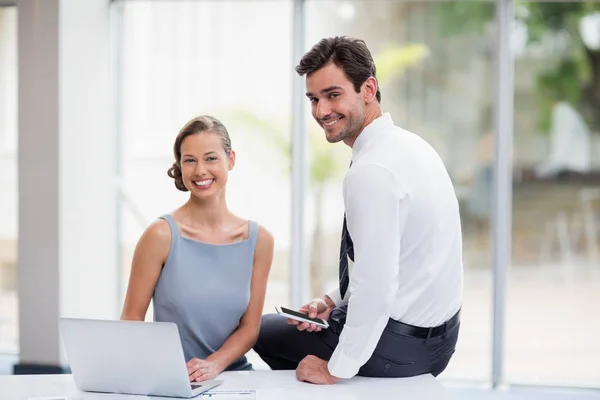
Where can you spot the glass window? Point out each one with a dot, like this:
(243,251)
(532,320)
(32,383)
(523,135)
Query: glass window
(186,58)
(436,68)
(8,181)
(553,297)
(438,83)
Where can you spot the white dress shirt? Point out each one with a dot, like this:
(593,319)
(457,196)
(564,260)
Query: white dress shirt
(402,214)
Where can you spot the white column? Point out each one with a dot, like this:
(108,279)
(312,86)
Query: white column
(299,267)
(502,191)
(67,224)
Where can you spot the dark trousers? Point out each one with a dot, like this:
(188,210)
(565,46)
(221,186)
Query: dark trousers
(283,346)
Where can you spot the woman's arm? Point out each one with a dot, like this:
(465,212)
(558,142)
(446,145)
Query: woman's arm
(150,254)
(246,334)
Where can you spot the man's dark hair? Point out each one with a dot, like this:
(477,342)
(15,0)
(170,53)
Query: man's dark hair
(351,55)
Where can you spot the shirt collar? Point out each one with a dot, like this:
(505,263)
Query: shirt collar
(372,131)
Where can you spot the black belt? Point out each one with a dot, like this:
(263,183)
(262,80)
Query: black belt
(419,332)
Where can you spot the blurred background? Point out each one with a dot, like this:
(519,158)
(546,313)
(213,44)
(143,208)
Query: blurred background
(436,64)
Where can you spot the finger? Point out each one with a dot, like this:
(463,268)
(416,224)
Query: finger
(193,376)
(206,375)
(191,367)
(311,327)
(196,375)
(304,308)
(196,368)
(292,321)
(312,310)
(302,326)
(191,372)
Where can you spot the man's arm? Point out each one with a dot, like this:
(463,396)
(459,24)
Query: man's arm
(335,296)
(376,214)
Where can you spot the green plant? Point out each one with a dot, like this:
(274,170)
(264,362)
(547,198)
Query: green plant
(573,69)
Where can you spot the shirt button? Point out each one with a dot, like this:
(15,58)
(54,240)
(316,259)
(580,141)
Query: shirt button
(387,365)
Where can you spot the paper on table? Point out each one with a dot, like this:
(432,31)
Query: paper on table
(232,394)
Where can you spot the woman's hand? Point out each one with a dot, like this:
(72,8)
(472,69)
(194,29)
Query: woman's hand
(202,370)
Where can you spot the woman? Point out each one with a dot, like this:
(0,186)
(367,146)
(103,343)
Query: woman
(205,268)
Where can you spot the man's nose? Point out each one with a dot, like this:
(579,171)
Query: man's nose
(323,109)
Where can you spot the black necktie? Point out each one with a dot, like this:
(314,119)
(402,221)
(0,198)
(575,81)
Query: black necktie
(346,251)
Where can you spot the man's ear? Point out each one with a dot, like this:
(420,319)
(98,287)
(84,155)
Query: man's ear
(369,88)
(231,160)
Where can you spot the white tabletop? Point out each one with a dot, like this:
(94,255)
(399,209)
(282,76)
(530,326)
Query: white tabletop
(280,385)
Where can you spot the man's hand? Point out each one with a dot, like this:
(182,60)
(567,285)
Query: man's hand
(318,308)
(202,370)
(314,370)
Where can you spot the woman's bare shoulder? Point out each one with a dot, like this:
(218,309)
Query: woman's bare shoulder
(158,233)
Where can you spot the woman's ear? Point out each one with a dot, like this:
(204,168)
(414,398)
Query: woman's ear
(231,159)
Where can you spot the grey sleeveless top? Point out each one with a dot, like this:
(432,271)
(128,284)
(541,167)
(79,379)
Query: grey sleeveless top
(205,289)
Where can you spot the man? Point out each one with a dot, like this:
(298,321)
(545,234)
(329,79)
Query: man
(396,312)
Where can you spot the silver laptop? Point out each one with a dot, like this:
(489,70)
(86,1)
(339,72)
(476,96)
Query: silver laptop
(127,357)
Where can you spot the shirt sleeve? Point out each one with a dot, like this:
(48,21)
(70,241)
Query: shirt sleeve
(376,211)
(336,297)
